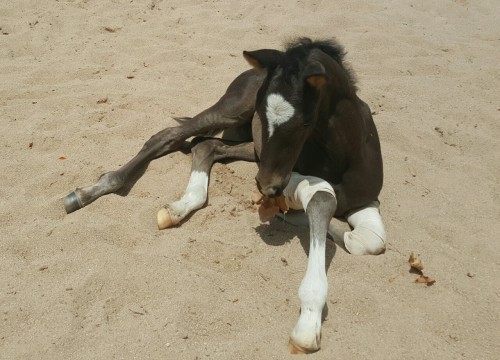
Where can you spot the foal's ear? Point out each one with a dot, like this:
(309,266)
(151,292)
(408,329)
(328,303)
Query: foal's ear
(263,59)
(315,75)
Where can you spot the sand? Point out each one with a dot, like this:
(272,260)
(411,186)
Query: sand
(83,84)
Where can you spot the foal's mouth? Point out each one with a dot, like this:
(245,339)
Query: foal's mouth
(270,191)
(271,184)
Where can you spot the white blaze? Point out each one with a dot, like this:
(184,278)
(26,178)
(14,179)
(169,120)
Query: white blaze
(278,111)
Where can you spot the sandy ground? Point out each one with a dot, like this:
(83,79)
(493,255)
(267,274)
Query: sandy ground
(84,83)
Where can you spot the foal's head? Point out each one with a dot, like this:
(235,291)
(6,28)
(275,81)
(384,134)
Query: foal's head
(290,102)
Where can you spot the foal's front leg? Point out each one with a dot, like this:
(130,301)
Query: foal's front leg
(317,197)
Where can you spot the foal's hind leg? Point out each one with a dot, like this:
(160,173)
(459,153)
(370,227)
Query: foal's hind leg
(162,143)
(205,154)
(236,107)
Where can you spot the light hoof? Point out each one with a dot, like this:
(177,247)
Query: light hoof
(295,349)
(165,219)
(72,203)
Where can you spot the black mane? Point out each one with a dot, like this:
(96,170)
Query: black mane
(297,51)
(299,48)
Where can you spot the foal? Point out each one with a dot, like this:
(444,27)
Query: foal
(298,115)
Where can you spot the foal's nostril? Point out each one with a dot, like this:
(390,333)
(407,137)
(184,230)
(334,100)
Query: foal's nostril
(272,191)
(278,190)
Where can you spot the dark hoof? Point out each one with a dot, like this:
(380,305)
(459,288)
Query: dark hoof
(72,203)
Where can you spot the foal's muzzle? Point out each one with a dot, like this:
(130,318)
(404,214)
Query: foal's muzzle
(270,188)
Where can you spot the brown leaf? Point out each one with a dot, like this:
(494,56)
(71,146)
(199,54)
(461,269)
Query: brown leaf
(281,202)
(270,206)
(267,209)
(62,158)
(415,262)
(422,279)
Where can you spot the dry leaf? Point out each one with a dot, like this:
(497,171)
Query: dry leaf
(281,202)
(415,262)
(62,158)
(270,207)
(422,279)
(267,209)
